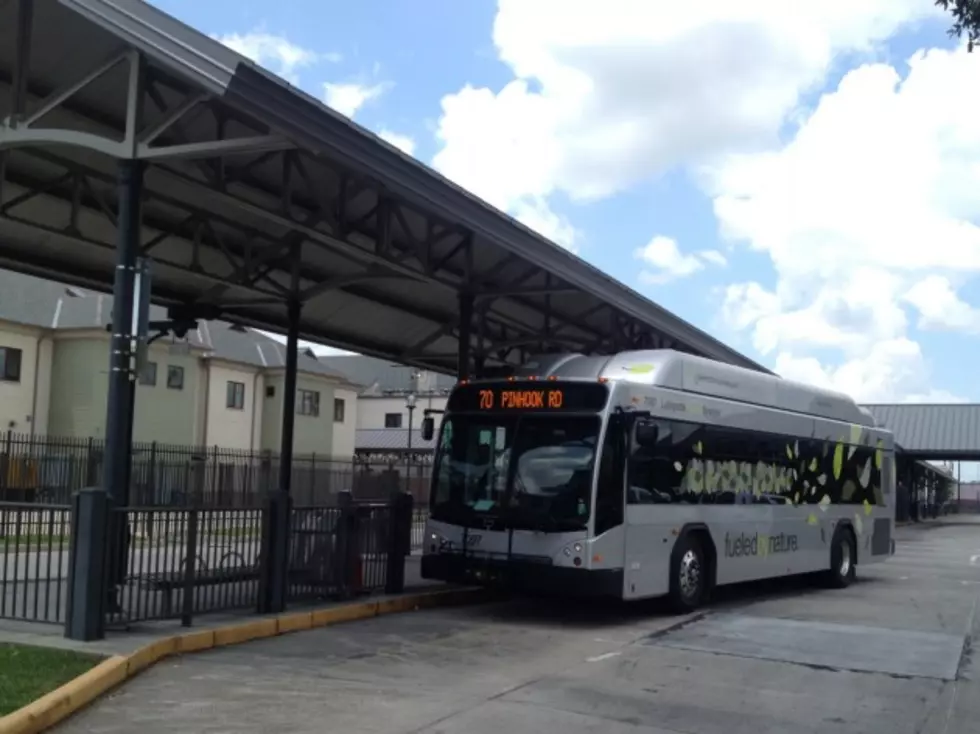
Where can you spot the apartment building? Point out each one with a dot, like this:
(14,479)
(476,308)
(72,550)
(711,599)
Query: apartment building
(382,403)
(222,386)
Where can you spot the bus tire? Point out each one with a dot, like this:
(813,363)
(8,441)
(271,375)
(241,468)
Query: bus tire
(688,575)
(843,559)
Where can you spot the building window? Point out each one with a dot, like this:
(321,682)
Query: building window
(393,420)
(175,377)
(338,410)
(10,360)
(148,375)
(308,403)
(235,398)
(270,391)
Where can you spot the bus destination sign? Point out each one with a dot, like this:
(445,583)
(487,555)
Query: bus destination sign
(532,397)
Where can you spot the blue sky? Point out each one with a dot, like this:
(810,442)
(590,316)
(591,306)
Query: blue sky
(783,171)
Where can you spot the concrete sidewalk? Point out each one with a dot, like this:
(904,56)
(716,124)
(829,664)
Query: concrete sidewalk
(141,634)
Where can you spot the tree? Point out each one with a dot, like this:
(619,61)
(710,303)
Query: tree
(966,19)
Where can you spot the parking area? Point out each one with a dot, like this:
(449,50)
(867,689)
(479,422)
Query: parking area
(890,654)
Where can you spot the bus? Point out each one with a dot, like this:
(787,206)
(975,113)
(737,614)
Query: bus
(653,473)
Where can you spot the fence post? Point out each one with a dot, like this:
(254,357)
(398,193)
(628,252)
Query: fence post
(274,569)
(399,541)
(152,484)
(86,597)
(91,476)
(187,599)
(345,546)
(313,482)
(5,462)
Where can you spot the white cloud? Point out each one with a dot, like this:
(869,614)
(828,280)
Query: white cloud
(609,93)
(870,210)
(404,143)
(664,261)
(668,262)
(940,308)
(348,98)
(714,257)
(890,371)
(535,214)
(274,52)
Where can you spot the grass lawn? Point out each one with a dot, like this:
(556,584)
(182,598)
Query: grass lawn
(27,672)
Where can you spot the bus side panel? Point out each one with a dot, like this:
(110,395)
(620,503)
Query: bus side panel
(780,540)
(649,543)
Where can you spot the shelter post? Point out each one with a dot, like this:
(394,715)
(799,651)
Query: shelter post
(276,540)
(465,332)
(119,409)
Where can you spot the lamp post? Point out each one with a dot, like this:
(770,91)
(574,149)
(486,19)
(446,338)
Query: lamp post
(410,404)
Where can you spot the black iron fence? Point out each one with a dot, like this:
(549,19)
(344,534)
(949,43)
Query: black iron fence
(180,563)
(183,562)
(34,547)
(49,470)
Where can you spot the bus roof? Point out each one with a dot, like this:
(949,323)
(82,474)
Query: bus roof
(688,373)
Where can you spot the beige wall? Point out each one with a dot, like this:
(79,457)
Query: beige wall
(313,434)
(271,413)
(169,415)
(371,410)
(344,433)
(24,404)
(80,388)
(230,427)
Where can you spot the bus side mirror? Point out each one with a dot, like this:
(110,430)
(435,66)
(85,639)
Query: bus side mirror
(428,428)
(646,433)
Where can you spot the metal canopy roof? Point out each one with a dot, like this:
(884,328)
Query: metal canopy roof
(253,188)
(937,431)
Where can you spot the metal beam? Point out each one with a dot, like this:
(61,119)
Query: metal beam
(215,148)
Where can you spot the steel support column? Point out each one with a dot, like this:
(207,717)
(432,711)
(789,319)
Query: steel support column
(276,542)
(294,309)
(119,427)
(465,332)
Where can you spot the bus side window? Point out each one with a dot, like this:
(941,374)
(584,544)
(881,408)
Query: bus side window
(610,483)
(652,477)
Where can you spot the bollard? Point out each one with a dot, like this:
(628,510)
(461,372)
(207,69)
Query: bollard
(87,587)
(274,571)
(399,541)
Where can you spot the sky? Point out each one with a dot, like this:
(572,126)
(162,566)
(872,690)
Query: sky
(798,179)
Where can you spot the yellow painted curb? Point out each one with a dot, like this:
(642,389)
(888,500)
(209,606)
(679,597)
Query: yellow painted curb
(61,703)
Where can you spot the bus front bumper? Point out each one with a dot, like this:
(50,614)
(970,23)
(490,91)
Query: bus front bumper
(522,575)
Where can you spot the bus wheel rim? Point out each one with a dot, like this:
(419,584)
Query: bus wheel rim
(845,558)
(690,574)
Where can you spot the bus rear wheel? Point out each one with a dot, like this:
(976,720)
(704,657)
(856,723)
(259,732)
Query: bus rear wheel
(687,575)
(842,559)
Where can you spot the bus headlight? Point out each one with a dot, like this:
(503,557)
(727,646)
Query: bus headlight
(577,547)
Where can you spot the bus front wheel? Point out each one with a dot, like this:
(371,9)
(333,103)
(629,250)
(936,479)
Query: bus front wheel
(688,574)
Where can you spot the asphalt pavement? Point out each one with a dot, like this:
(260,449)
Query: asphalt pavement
(891,654)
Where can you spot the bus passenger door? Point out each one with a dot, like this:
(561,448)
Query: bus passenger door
(609,542)
(651,488)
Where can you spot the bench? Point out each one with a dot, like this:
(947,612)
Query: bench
(169,581)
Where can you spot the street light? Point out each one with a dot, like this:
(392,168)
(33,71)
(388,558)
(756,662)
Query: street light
(410,404)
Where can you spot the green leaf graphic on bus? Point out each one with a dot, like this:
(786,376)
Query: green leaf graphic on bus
(838,459)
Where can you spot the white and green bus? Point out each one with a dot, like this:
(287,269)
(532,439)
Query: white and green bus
(653,473)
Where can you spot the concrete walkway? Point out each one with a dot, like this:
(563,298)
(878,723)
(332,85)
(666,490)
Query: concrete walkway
(124,642)
(885,655)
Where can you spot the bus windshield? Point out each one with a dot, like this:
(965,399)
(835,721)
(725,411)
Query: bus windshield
(526,471)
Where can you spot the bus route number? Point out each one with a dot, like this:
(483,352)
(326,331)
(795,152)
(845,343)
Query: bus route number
(486,399)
